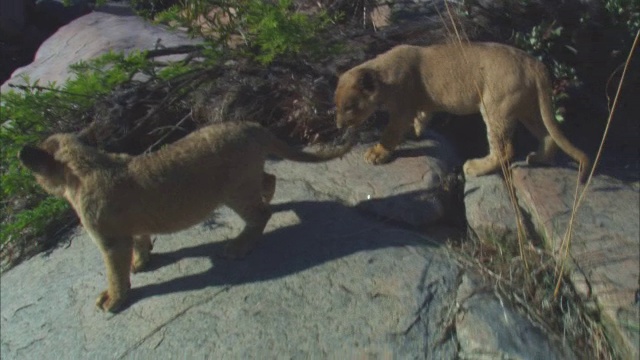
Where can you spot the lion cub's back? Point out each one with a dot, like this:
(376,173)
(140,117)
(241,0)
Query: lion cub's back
(223,136)
(496,62)
(213,153)
(217,143)
(178,185)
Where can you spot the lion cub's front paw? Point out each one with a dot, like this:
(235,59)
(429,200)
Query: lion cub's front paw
(472,168)
(109,303)
(377,155)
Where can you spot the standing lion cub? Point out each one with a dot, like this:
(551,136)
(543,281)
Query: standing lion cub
(121,200)
(504,84)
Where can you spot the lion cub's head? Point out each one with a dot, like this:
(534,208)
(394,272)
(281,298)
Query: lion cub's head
(48,164)
(356,96)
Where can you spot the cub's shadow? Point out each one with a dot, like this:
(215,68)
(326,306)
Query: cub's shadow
(327,230)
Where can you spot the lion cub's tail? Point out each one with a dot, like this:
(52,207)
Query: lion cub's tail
(282,149)
(546,112)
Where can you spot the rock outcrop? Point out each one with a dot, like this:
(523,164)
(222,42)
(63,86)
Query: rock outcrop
(327,280)
(603,257)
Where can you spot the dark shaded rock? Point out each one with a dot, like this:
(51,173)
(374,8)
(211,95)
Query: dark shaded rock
(49,15)
(12,18)
(414,189)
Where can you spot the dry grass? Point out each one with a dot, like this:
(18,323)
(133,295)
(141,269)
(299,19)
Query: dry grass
(565,317)
(535,279)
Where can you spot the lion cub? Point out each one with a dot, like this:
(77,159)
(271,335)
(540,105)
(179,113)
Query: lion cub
(121,200)
(504,84)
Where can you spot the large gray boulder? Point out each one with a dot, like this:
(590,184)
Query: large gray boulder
(112,28)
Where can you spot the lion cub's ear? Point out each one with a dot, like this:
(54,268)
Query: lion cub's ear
(368,80)
(39,161)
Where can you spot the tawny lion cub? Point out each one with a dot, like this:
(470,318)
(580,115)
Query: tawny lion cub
(504,84)
(121,200)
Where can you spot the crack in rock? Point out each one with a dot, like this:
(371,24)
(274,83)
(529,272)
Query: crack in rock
(176,316)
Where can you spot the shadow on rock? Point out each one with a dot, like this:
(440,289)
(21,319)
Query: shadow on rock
(327,231)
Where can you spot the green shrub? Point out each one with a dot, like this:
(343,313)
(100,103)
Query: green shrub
(624,13)
(28,115)
(541,42)
(277,30)
(269,29)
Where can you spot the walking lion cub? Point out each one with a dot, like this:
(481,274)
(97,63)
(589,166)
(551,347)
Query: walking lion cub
(503,83)
(121,200)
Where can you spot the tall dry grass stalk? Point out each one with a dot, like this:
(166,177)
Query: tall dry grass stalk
(566,241)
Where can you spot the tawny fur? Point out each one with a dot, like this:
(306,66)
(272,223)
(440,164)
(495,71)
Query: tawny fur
(504,84)
(121,200)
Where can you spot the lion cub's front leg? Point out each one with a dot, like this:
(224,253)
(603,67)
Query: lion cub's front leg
(392,136)
(117,254)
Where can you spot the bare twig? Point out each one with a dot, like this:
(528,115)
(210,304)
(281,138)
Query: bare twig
(173,128)
(182,49)
(46,88)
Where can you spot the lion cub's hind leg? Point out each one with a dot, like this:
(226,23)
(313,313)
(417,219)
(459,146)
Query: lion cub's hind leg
(268,187)
(501,151)
(117,254)
(249,203)
(548,148)
(142,247)
(546,153)
(421,122)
